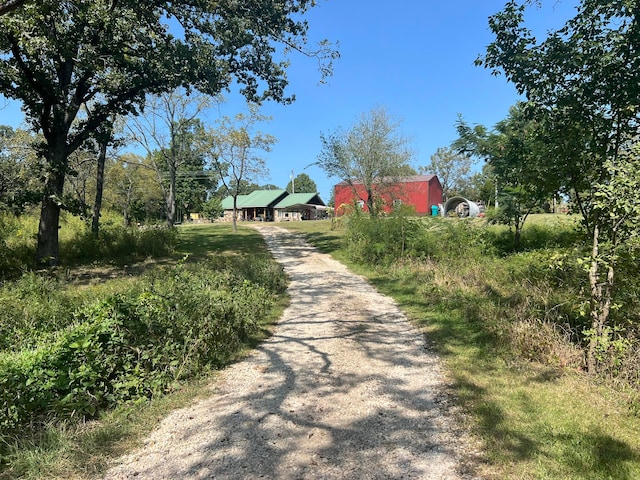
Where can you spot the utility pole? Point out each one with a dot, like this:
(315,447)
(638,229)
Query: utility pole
(293,183)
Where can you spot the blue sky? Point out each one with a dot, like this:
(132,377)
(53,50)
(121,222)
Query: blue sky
(414,57)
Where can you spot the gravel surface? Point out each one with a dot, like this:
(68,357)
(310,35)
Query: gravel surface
(345,388)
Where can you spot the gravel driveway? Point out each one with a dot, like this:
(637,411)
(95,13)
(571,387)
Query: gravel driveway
(345,389)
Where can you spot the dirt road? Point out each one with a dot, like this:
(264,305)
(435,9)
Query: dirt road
(344,389)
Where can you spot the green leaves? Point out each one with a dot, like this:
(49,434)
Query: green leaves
(135,345)
(373,151)
(57,56)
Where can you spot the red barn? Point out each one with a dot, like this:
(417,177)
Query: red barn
(419,191)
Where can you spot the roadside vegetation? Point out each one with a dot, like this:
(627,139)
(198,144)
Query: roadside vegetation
(509,322)
(93,354)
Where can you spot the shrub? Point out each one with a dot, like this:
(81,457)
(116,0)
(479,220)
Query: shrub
(17,243)
(116,242)
(33,306)
(178,323)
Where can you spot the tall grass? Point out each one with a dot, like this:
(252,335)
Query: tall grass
(73,352)
(508,323)
(115,243)
(17,243)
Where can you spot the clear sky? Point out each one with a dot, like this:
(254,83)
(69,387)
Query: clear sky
(414,57)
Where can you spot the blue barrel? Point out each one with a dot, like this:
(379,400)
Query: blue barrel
(434,210)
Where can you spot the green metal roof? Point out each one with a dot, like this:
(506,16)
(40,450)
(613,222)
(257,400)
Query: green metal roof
(263,198)
(227,203)
(300,199)
(256,199)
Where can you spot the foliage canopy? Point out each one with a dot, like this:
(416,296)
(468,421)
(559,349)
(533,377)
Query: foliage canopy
(374,151)
(56,56)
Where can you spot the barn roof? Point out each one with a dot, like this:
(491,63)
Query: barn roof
(407,179)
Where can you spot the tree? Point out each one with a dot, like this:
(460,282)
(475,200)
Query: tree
(132,189)
(517,157)
(372,153)
(58,55)
(80,182)
(244,187)
(302,184)
(234,153)
(167,131)
(19,170)
(9,5)
(582,84)
(452,169)
(212,208)
(480,186)
(104,137)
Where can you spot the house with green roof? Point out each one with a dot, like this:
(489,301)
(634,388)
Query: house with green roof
(258,205)
(275,205)
(300,206)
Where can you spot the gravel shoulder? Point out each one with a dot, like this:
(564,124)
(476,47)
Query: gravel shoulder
(345,388)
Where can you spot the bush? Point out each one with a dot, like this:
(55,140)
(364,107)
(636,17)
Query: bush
(32,307)
(17,243)
(115,241)
(385,240)
(180,322)
(531,302)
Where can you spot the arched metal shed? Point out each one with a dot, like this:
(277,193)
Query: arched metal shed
(461,207)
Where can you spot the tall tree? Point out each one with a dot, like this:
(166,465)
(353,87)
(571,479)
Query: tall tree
(480,186)
(582,82)
(374,153)
(57,55)
(105,137)
(452,169)
(166,130)
(517,156)
(9,5)
(234,153)
(132,189)
(302,183)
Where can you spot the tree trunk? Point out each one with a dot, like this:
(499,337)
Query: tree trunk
(518,235)
(171,197)
(596,295)
(97,204)
(234,217)
(48,253)
(127,207)
(371,203)
(600,301)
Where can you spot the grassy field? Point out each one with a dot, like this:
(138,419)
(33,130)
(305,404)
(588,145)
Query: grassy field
(533,420)
(83,450)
